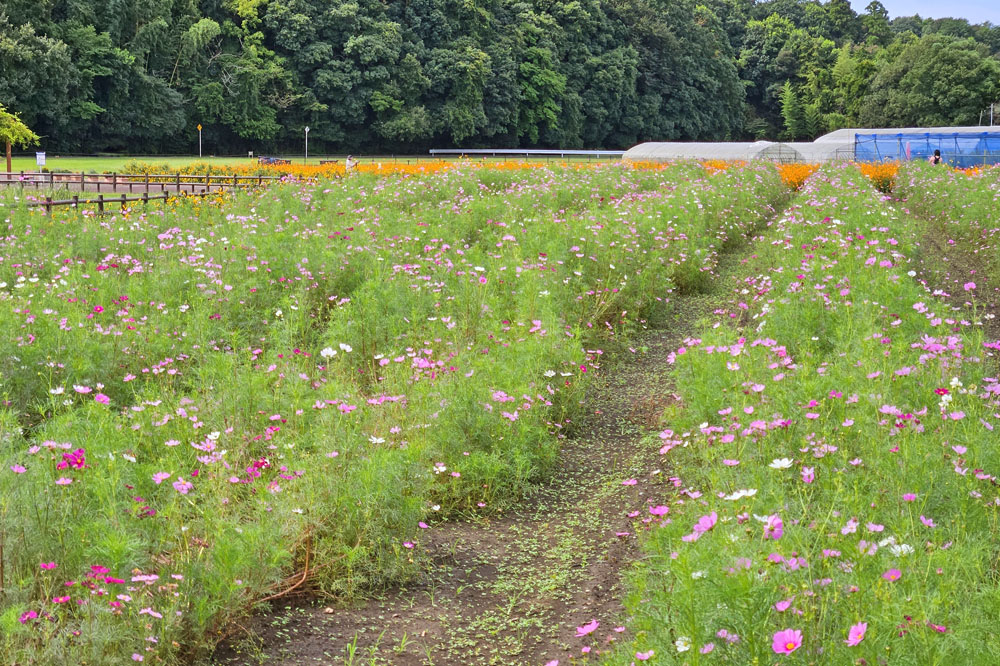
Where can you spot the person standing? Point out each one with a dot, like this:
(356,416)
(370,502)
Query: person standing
(350,163)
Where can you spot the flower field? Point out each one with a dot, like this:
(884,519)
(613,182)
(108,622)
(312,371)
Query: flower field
(212,405)
(207,406)
(835,447)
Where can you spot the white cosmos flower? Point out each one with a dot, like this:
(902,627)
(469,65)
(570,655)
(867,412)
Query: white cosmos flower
(683,644)
(550,373)
(781,463)
(328,352)
(346,348)
(900,550)
(376,440)
(740,494)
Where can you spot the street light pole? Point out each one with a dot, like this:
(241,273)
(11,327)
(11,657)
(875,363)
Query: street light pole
(307,143)
(199,139)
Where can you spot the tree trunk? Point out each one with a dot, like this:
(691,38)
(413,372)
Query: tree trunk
(8,157)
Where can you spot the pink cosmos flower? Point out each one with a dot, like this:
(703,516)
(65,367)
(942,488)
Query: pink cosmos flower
(659,510)
(909,497)
(588,628)
(63,481)
(60,600)
(643,656)
(18,469)
(629,482)
(706,648)
(856,633)
(706,523)
(101,398)
(928,522)
(182,486)
(774,528)
(47,565)
(892,574)
(969,286)
(787,641)
(782,605)
(160,477)
(808,474)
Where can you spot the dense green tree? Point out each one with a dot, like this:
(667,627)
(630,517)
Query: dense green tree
(369,75)
(936,80)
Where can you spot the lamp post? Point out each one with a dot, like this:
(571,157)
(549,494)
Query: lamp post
(199,139)
(307,143)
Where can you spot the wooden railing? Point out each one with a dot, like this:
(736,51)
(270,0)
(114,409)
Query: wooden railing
(101,201)
(132,183)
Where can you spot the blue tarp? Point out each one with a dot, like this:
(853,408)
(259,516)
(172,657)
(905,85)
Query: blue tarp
(959,150)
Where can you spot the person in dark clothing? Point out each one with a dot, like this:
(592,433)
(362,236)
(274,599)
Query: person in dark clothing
(936,159)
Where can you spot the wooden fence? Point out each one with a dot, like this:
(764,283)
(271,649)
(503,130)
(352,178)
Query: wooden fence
(131,183)
(101,201)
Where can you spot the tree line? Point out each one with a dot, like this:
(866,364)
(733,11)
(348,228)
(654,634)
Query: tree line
(400,76)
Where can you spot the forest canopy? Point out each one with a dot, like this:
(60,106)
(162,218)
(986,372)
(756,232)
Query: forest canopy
(374,76)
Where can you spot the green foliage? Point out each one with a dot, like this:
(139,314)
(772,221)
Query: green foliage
(372,76)
(13,131)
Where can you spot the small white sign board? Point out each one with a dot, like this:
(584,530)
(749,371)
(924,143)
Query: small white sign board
(40,159)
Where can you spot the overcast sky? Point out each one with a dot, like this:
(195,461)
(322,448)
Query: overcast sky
(977,11)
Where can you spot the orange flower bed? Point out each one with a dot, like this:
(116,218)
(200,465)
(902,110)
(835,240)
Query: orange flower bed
(882,174)
(794,175)
(718,166)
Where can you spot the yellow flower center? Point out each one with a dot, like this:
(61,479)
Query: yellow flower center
(789,646)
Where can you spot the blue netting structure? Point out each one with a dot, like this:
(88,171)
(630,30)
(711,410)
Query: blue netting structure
(959,149)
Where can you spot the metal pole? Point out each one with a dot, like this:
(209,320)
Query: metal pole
(199,140)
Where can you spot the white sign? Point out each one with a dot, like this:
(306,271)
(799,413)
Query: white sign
(39,159)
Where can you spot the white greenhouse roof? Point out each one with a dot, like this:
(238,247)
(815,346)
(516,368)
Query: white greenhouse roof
(757,150)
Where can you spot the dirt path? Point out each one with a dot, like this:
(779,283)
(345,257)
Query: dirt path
(513,590)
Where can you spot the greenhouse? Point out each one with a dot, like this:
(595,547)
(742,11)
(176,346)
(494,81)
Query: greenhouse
(959,146)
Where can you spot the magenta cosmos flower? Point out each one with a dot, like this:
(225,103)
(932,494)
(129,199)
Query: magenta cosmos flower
(787,641)
(856,634)
(892,574)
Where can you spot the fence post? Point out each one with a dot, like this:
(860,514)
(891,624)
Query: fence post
(178,180)
(48,206)
(100,204)
(234,181)
(123,203)
(259,180)
(114,181)
(76,201)
(145,199)
(22,179)
(147,183)
(51,180)
(208,182)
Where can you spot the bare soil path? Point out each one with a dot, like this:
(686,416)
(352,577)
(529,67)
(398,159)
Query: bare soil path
(512,590)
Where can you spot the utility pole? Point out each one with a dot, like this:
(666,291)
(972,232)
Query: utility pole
(307,143)
(199,139)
